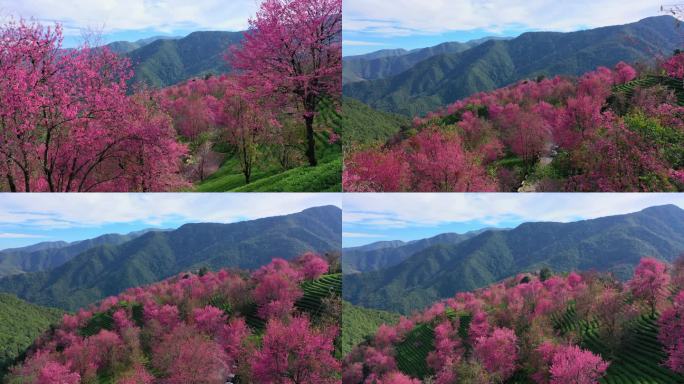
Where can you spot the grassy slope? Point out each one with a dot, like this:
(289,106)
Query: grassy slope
(363,124)
(20,324)
(325,177)
(359,322)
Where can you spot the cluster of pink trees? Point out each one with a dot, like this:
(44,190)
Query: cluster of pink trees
(671,320)
(672,333)
(289,61)
(193,329)
(68,125)
(430,161)
(219,110)
(569,364)
(556,134)
(513,329)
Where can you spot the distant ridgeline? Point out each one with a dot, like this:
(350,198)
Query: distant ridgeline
(416,82)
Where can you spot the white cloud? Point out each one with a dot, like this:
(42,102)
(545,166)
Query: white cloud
(10,235)
(163,16)
(361,235)
(93,209)
(380,210)
(405,17)
(358,43)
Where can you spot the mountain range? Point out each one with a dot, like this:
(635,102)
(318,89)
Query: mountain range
(384,254)
(123,47)
(47,255)
(109,269)
(162,61)
(165,62)
(390,62)
(460,71)
(611,244)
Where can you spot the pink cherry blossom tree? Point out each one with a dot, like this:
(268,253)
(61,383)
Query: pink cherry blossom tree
(447,354)
(312,265)
(246,123)
(306,358)
(67,123)
(650,282)
(671,333)
(276,295)
(498,352)
(675,66)
(293,50)
(571,364)
(185,356)
(56,373)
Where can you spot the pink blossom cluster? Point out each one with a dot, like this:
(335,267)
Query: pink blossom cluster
(68,124)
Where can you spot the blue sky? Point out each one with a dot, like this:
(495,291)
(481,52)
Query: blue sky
(32,218)
(370,25)
(132,20)
(368,218)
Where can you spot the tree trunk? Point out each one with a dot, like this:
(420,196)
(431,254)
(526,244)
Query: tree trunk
(27,183)
(311,143)
(10,182)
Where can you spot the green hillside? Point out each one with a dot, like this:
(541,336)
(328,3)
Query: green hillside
(108,270)
(20,324)
(445,78)
(124,47)
(613,244)
(166,62)
(363,124)
(358,323)
(270,177)
(316,291)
